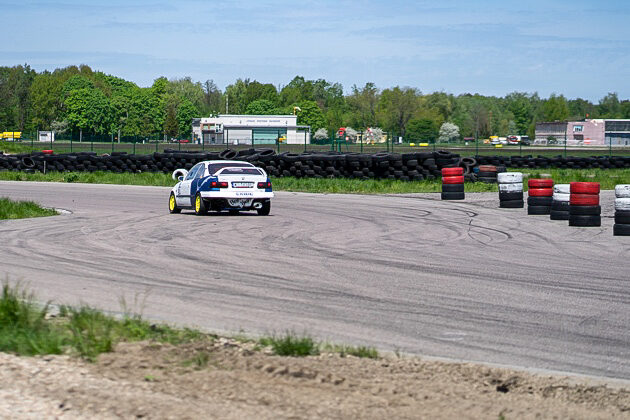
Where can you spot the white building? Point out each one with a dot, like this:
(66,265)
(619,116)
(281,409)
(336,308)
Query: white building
(250,129)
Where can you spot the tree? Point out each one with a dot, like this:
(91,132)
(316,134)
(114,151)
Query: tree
(555,108)
(185,114)
(396,107)
(351,134)
(213,98)
(171,126)
(519,104)
(321,134)
(311,115)
(609,106)
(422,129)
(88,109)
(363,103)
(261,107)
(448,132)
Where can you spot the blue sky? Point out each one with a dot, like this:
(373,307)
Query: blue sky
(576,48)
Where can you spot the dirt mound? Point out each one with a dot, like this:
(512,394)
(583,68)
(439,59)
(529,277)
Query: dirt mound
(229,379)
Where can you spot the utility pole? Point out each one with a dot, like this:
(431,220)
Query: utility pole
(227,104)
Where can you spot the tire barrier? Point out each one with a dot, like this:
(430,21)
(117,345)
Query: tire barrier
(622,210)
(453,184)
(487,174)
(510,190)
(584,208)
(539,196)
(384,165)
(560,202)
(559,162)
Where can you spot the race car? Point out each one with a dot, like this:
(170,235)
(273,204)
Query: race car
(219,185)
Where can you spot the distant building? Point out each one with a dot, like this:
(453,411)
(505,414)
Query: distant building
(587,132)
(250,129)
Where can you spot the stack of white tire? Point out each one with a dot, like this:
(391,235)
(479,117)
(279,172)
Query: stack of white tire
(560,204)
(510,190)
(622,210)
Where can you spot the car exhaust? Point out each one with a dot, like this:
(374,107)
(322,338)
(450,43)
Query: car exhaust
(258,205)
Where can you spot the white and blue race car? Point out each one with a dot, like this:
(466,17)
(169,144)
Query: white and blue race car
(220,185)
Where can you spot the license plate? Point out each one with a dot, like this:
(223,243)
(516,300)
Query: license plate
(242,184)
(239,202)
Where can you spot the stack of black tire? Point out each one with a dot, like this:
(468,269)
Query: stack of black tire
(560,204)
(510,190)
(487,174)
(584,209)
(622,210)
(453,184)
(539,196)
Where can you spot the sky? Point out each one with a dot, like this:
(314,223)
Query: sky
(575,48)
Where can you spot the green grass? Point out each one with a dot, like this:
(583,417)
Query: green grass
(291,344)
(608,178)
(10,209)
(25,328)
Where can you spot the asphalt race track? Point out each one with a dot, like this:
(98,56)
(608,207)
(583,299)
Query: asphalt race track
(463,280)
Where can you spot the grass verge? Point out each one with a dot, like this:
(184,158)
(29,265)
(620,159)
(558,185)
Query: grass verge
(26,328)
(10,209)
(608,178)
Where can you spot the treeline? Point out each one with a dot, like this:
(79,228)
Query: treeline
(76,99)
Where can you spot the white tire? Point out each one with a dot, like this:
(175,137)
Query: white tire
(622,203)
(561,196)
(179,172)
(509,177)
(622,191)
(562,188)
(515,187)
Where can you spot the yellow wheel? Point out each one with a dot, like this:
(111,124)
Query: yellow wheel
(172,205)
(200,205)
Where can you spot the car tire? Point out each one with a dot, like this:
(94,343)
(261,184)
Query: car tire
(172,205)
(585,220)
(265,210)
(200,205)
(233,212)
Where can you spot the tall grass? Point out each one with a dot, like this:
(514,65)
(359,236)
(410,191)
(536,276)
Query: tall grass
(10,209)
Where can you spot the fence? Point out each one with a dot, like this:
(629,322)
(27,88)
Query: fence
(109,143)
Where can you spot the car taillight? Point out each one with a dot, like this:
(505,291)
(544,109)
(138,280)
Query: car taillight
(262,185)
(215,184)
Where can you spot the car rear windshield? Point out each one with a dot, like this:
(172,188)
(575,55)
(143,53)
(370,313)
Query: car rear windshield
(214,167)
(240,171)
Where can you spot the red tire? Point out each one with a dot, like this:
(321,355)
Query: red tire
(540,192)
(47,152)
(540,183)
(487,168)
(453,179)
(584,188)
(452,171)
(584,200)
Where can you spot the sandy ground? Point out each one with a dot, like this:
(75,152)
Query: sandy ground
(229,379)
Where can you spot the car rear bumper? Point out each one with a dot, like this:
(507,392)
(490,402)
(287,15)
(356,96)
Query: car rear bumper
(236,194)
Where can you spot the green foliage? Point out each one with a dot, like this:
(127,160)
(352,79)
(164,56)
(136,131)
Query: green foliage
(422,129)
(555,108)
(291,344)
(185,114)
(310,114)
(10,209)
(261,107)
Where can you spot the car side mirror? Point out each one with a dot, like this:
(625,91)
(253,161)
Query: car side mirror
(180,178)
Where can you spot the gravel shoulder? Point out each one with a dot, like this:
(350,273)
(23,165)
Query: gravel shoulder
(230,379)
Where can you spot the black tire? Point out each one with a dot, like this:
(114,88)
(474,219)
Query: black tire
(585,220)
(172,205)
(622,217)
(560,205)
(511,204)
(200,205)
(487,174)
(538,210)
(451,187)
(453,196)
(265,210)
(621,229)
(559,215)
(509,196)
(539,201)
(233,212)
(487,180)
(585,210)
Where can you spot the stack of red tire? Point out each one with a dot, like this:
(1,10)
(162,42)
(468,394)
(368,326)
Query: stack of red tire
(539,196)
(453,184)
(584,208)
